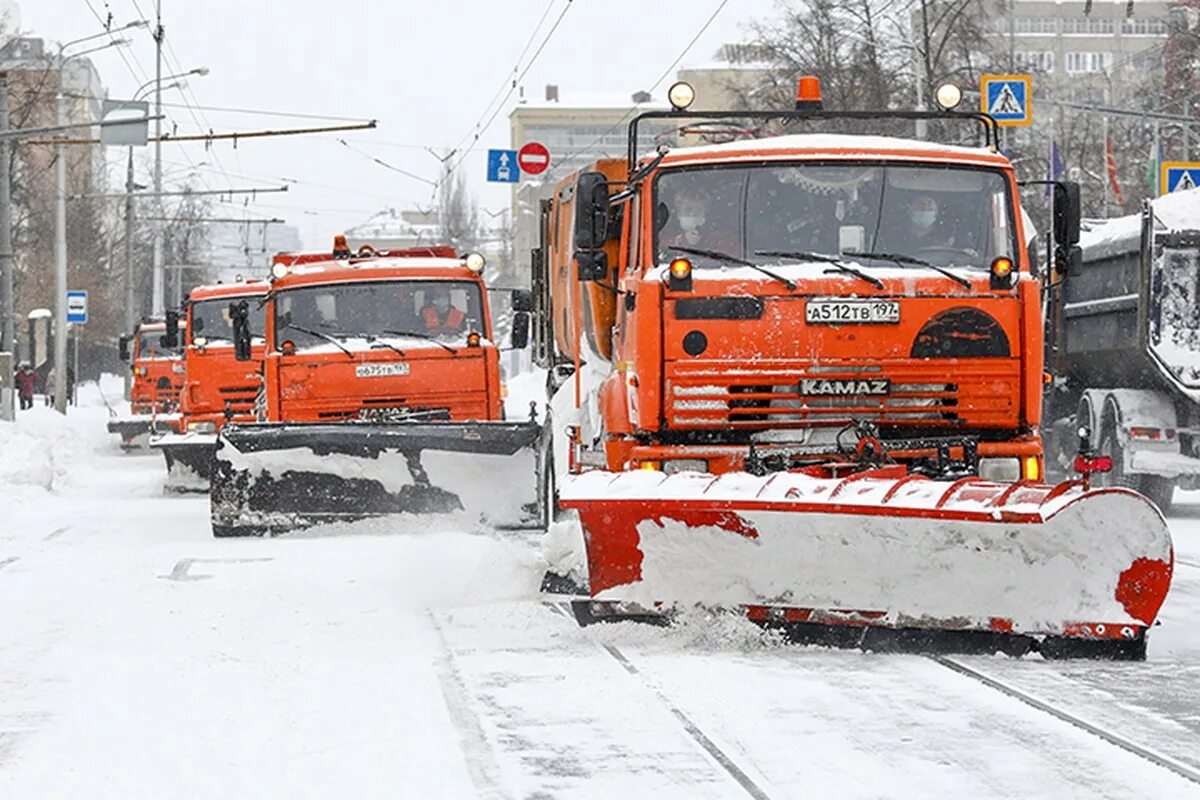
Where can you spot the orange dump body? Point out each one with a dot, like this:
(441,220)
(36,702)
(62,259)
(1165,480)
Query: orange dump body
(218,387)
(157,373)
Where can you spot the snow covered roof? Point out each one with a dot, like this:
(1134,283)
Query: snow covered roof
(1175,211)
(867,145)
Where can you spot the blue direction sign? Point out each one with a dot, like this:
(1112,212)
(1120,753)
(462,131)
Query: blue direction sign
(1179,176)
(77,307)
(502,166)
(1007,98)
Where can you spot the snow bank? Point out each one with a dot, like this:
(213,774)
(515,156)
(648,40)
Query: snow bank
(523,389)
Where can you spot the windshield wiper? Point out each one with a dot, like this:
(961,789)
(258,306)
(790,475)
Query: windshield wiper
(322,335)
(382,345)
(726,257)
(901,258)
(839,265)
(424,336)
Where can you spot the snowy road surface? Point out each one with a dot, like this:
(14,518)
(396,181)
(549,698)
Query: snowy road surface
(142,658)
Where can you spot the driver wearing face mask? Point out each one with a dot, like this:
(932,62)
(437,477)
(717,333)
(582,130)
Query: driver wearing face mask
(439,316)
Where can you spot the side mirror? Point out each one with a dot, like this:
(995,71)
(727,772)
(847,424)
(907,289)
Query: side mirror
(171,338)
(123,348)
(522,300)
(592,266)
(1067,211)
(239,317)
(520,330)
(591,211)
(1068,260)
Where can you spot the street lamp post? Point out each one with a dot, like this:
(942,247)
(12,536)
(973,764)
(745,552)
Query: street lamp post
(60,218)
(129,213)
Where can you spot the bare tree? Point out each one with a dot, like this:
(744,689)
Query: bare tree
(458,213)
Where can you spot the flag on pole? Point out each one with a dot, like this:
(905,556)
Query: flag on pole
(1054,169)
(1111,161)
(1152,168)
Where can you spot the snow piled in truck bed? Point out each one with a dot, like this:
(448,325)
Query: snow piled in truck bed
(1176,211)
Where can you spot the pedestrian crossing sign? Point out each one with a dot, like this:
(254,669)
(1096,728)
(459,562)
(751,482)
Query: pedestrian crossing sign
(1179,176)
(1008,99)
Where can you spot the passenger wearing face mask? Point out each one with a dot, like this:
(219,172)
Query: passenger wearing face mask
(440,317)
(697,229)
(924,231)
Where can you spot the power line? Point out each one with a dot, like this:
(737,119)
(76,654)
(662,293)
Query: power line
(512,88)
(265,113)
(683,54)
(386,165)
(507,82)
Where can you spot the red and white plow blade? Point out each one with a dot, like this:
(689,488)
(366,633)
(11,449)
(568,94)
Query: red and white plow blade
(878,548)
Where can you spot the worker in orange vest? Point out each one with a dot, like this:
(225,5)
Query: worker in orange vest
(440,317)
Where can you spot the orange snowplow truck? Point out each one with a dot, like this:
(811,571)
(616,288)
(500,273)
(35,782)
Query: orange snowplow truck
(800,375)
(218,388)
(382,394)
(157,367)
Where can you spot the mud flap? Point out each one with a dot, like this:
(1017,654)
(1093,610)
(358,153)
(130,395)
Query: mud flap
(880,550)
(189,459)
(273,478)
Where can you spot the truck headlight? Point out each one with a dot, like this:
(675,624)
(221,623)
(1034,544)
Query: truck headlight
(202,427)
(1000,470)
(684,465)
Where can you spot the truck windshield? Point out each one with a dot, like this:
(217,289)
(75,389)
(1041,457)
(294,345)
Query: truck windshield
(444,310)
(948,216)
(211,320)
(148,346)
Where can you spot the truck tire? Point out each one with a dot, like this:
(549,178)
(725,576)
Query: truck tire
(1157,489)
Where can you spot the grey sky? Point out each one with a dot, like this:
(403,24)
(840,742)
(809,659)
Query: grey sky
(425,70)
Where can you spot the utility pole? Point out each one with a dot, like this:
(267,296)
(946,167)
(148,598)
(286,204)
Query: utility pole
(8,341)
(129,315)
(59,390)
(157,283)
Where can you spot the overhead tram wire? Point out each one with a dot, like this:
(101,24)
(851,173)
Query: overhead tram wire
(508,82)
(516,82)
(589,148)
(386,165)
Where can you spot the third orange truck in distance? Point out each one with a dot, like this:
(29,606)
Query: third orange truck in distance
(157,369)
(217,388)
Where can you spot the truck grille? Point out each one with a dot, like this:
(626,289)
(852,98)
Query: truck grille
(987,396)
(239,399)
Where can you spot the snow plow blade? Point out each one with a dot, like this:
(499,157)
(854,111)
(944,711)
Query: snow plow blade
(273,478)
(134,431)
(189,458)
(881,560)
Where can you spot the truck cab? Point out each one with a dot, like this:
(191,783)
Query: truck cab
(218,387)
(157,367)
(379,336)
(767,303)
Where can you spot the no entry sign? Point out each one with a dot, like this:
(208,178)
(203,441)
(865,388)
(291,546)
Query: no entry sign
(533,158)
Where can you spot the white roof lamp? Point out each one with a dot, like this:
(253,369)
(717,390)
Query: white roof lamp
(681,95)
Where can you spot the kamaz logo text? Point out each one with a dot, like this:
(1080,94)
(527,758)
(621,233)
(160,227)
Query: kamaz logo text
(817,386)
